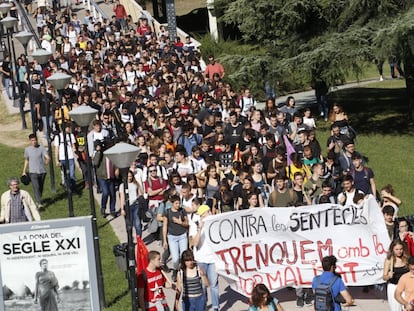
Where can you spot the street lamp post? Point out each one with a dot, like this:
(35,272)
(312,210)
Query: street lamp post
(24,37)
(83,116)
(4,10)
(42,57)
(59,81)
(122,155)
(9,23)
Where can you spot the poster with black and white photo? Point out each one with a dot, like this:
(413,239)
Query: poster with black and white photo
(48,265)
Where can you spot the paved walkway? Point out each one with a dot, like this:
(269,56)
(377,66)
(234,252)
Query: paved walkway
(230,300)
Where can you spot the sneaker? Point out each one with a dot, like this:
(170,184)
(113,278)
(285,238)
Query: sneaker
(300,302)
(381,78)
(308,299)
(103,213)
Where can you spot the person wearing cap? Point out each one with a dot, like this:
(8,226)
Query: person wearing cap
(203,254)
(35,159)
(17,205)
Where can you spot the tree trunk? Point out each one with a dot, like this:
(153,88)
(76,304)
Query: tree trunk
(409,80)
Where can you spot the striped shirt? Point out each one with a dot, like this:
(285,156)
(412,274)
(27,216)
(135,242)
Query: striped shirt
(16,208)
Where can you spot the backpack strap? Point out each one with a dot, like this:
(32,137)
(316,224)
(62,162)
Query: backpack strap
(291,194)
(331,282)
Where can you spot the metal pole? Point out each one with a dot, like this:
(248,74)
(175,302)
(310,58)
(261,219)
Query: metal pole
(49,139)
(49,147)
(66,166)
(21,105)
(12,61)
(171,19)
(29,93)
(132,278)
(101,288)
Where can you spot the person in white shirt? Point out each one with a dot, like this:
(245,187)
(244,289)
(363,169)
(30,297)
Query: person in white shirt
(59,143)
(246,101)
(347,196)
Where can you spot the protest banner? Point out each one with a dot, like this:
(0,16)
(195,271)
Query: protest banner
(284,246)
(48,263)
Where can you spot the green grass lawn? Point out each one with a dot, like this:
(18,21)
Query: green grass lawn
(377,111)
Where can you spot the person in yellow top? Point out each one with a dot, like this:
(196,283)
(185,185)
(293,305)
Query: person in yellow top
(297,166)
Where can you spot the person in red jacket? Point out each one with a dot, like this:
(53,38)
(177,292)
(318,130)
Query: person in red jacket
(120,13)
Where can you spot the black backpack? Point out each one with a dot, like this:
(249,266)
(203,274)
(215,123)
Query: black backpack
(324,299)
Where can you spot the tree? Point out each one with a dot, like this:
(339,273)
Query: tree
(323,39)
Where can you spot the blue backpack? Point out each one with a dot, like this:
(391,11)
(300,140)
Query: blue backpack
(324,299)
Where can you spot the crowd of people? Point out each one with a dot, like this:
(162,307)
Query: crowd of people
(205,148)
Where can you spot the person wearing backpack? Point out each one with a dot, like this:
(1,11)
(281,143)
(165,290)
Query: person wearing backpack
(328,286)
(363,175)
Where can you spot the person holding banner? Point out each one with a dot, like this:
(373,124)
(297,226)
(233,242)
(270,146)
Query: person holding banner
(204,256)
(262,299)
(395,265)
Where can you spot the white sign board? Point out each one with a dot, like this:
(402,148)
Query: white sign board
(284,246)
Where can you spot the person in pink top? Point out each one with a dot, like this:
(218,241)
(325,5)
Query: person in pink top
(212,68)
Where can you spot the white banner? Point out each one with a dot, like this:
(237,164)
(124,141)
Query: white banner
(54,258)
(284,246)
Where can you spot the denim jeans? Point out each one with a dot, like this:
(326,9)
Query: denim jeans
(72,178)
(108,191)
(6,85)
(177,245)
(45,129)
(194,303)
(136,221)
(210,270)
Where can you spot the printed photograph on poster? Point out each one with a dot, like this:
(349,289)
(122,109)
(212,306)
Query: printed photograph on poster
(45,269)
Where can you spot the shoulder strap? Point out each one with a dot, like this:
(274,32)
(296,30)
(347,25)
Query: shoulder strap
(144,276)
(333,280)
(273,195)
(366,172)
(182,138)
(198,141)
(291,194)
(149,180)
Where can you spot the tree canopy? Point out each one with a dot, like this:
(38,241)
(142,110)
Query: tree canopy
(320,39)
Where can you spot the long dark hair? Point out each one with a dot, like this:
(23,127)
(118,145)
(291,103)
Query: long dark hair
(257,295)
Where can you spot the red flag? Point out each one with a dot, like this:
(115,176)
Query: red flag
(237,154)
(141,256)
